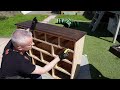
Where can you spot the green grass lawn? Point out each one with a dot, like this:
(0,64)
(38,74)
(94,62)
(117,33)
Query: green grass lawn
(96,47)
(73,17)
(7,26)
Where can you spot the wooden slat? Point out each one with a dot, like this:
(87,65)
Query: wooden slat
(41,56)
(49,74)
(62,70)
(52,49)
(67,61)
(53,72)
(33,56)
(41,50)
(52,44)
(56,77)
(47,43)
(30,53)
(43,61)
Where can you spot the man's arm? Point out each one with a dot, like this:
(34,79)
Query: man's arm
(46,68)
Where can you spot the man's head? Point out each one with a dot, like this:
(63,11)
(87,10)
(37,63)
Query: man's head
(22,40)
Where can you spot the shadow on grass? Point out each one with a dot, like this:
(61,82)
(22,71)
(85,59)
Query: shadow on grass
(88,14)
(101,30)
(95,74)
(88,71)
(118,38)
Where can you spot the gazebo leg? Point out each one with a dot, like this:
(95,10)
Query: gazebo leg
(118,27)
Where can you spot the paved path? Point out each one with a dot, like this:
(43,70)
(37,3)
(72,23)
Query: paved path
(48,19)
(84,71)
(37,12)
(3,42)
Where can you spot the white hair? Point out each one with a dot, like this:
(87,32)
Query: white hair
(20,36)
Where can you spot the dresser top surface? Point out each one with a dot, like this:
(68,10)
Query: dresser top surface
(63,32)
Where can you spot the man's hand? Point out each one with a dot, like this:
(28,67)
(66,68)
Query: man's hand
(64,54)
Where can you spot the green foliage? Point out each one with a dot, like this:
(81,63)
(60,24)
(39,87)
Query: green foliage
(7,26)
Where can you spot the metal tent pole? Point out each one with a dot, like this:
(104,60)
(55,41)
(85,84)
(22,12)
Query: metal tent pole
(118,27)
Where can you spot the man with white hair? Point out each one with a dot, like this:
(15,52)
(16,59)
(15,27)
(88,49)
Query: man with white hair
(16,63)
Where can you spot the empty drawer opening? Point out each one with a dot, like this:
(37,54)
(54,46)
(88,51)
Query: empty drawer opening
(47,57)
(52,39)
(39,63)
(67,44)
(43,46)
(39,35)
(65,66)
(35,53)
(61,74)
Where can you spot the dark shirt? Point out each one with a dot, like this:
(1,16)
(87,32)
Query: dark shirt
(15,65)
